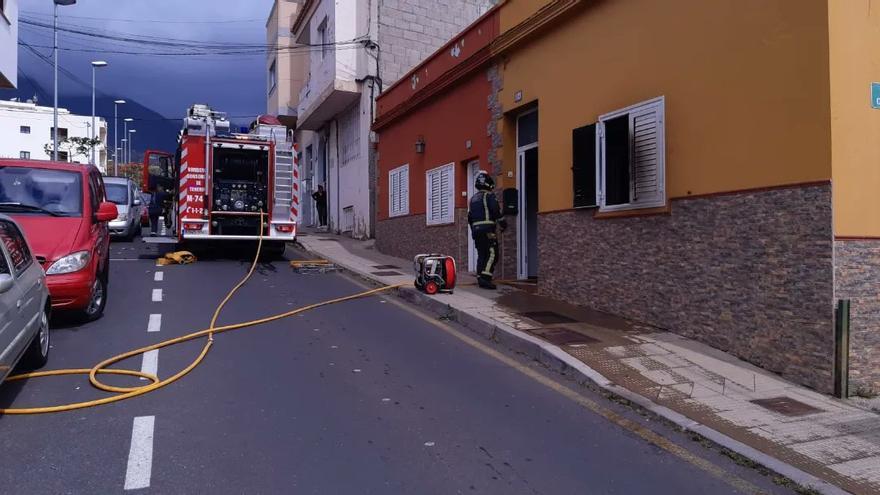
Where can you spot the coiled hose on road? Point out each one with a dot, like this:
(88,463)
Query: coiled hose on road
(123,393)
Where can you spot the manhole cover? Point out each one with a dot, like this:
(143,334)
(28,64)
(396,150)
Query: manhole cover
(547,317)
(386,267)
(564,336)
(787,406)
(386,274)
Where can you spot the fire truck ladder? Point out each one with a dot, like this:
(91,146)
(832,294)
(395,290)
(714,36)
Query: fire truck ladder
(283,182)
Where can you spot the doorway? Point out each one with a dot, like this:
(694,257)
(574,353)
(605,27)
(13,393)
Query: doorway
(527,183)
(473,169)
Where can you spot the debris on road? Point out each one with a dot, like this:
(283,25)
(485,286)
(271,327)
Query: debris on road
(177,258)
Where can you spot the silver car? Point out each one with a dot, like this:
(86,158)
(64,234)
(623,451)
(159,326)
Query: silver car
(124,192)
(24,302)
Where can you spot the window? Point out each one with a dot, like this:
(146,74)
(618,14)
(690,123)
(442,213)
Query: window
(25,129)
(440,189)
(324,39)
(273,77)
(350,134)
(62,133)
(631,159)
(19,254)
(398,191)
(24,155)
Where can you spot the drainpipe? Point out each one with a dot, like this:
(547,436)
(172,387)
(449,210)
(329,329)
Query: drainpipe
(841,349)
(338,191)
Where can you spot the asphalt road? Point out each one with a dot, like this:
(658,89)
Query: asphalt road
(363,397)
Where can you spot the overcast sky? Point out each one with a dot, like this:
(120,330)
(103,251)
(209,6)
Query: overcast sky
(235,84)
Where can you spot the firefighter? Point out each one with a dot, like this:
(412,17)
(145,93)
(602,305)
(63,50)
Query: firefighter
(484,217)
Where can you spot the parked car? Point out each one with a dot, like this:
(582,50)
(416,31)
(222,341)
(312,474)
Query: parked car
(24,302)
(124,193)
(145,212)
(63,211)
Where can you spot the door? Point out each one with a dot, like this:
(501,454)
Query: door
(472,171)
(527,184)
(9,316)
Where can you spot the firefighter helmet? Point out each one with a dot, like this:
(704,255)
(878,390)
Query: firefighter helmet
(484,181)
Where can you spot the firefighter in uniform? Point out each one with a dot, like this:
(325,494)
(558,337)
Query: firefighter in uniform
(484,217)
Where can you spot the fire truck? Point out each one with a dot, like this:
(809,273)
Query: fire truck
(227,186)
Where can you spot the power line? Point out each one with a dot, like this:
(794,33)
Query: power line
(161,21)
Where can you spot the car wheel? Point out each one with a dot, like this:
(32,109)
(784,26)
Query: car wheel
(37,353)
(98,299)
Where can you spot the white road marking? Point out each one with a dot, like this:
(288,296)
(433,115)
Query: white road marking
(140,456)
(160,276)
(151,362)
(155,323)
(157,295)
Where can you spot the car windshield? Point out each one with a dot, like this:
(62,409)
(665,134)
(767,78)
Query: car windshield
(117,193)
(34,190)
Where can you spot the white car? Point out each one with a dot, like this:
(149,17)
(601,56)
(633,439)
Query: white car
(24,302)
(124,192)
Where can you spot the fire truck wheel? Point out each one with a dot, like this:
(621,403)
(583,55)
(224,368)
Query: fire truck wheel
(432,288)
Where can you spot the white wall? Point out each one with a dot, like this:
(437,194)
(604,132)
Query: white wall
(9,44)
(14,115)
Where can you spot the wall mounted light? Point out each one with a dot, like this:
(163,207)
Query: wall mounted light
(420,145)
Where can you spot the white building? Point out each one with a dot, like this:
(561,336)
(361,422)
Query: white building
(8,43)
(356,48)
(27,133)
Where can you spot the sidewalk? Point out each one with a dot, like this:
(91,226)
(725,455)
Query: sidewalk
(811,438)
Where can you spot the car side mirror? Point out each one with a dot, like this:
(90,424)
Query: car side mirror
(6,283)
(106,212)
(138,202)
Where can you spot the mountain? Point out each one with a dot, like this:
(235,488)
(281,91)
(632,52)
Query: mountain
(154,131)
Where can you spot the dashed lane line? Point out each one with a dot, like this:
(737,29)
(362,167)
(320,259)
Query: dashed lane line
(140,456)
(159,276)
(155,323)
(151,362)
(157,295)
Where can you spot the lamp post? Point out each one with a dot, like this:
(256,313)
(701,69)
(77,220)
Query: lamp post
(130,142)
(116,135)
(96,64)
(125,156)
(55,57)
(124,142)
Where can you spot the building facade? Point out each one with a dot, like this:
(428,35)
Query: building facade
(356,49)
(8,43)
(704,172)
(285,66)
(27,128)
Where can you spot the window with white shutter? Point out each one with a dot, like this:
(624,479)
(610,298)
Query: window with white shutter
(631,157)
(398,191)
(440,194)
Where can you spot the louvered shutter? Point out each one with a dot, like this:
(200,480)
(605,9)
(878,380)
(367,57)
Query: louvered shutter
(440,189)
(446,194)
(583,167)
(403,180)
(647,156)
(393,193)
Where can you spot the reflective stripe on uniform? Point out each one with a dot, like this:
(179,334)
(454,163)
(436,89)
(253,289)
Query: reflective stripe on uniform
(489,264)
(486,210)
(484,222)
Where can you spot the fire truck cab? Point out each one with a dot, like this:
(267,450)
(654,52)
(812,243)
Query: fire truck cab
(226,186)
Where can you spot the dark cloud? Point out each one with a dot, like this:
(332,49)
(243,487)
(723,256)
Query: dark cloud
(167,84)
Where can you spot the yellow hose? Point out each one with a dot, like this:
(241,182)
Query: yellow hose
(129,392)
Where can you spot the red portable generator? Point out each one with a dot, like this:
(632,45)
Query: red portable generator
(434,273)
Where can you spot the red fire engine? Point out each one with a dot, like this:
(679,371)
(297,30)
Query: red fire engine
(224,182)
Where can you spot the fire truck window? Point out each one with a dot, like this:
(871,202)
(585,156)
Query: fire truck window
(238,165)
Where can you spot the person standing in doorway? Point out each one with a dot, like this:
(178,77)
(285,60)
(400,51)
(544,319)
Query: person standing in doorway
(484,217)
(154,209)
(320,197)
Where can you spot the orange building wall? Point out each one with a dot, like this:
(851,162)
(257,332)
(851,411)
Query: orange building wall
(855,129)
(746,85)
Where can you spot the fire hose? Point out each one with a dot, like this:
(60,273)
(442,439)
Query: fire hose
(103,368)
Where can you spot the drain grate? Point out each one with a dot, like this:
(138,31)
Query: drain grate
(547,317)
(386,267)
(386,274)
(787,406)
(565,336)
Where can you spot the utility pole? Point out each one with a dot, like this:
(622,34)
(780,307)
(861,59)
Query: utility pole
(55,56)
(95,65)
(116,135)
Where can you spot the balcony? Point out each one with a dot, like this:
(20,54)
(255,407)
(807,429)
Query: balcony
(329,90)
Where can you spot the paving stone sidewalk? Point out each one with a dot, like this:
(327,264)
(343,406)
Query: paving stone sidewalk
(833,440)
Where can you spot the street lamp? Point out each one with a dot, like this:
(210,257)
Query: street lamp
(96,64)
(125,156)
(116,135)
(130,142)
(55,57)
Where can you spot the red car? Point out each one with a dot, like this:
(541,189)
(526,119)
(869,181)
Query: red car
(64,213)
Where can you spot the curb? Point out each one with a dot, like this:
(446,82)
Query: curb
(560,361)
